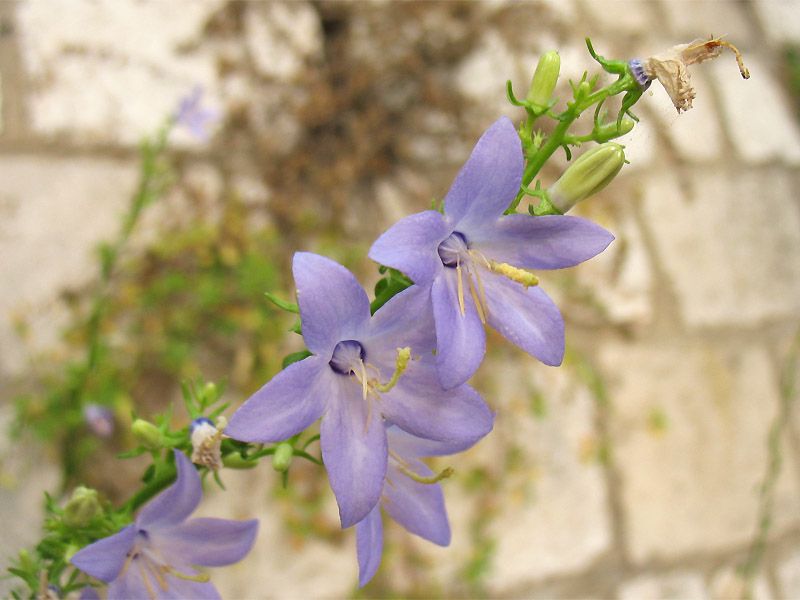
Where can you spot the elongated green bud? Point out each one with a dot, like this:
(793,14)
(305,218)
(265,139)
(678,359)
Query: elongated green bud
(282,457)
(544,81)
(147,434)
(82,507)
(589,174)
(610,131)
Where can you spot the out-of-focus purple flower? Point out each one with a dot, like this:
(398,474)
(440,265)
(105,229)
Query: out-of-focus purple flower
(89,593)
(417,504)
(191,114)
(348,381)
(153,557)
(100,419)
(472,259)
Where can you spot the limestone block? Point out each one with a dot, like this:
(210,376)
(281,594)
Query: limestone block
(554,518)
(111,72)
(731,248)
(780,19)
(682,585)
(788,573)
(56,211)
(629,16)
(759,119)
(727,584)
(695,134)
(690,430)
(700,18)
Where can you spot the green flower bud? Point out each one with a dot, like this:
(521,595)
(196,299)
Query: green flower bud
(282,457)
(235,461)
(147,434)
(610,131)
(26,562)
(544,81)
(82,507)
(589,174)
(210,392)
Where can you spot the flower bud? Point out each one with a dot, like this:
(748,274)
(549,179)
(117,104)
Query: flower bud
(235,461)
(82,507)
(589,174)
(608,131)
(282,457)
(147,434)
(544,81)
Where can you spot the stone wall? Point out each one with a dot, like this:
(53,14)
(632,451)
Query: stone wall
(634,470)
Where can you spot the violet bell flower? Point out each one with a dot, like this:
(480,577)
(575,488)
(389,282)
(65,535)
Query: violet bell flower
(362,368)
(151,558)
(411,496)
(473,259)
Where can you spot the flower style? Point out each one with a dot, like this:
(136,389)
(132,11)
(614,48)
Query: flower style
(151,558)
(411,496)
(465,257)
(348,382)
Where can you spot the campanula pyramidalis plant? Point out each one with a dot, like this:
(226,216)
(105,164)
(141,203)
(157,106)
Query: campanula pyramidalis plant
(472,260)
(362,368)
(154,556)
(411,496)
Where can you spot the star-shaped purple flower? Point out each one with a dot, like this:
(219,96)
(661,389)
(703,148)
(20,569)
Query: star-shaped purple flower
(416,504)
(472,258)
(191,114)
(351,382)
(152,557)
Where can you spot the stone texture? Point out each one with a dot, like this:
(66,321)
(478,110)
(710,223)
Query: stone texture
(727,584)
(56,211)
(730,249)
(700,18)
(136,56)
(788,575)
(761,124)
(692,450)
(554,516)
(780,19)
(620,16)
(682,585)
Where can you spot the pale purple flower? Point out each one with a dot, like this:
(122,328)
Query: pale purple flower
(100,419)
(472,260)
(153,557)
(191,114)
(345,381)
(417,506)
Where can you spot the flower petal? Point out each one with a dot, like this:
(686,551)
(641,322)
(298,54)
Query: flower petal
(177,502)
(207,542)
(286,405)
(354,452)
(460,339)
(489,181)
(411,246)
(89,593)
(527,318)
(333,305)
(419,507)
(369,545)
(410,447)
(105,558)
(405,320)
(546,242)
(418,404)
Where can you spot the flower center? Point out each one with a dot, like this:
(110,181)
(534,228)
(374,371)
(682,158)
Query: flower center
(453,250)
(347,356)
(150,563)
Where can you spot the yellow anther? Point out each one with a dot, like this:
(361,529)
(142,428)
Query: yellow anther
(514,274)
(420,479)
(403,355)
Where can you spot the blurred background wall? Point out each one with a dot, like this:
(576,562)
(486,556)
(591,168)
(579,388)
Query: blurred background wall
(635,470)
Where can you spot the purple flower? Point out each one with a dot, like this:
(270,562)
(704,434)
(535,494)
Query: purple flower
(351,381)
(100,419)
(151,558)
(193,116)
(472,259)
(417,504)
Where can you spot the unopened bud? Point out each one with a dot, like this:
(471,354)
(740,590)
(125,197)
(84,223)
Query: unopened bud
(210,392)
(26,562)
(589,174)
(82,507)
(147,434)
(282,457)
(610,130)
(544,81)
(235,461)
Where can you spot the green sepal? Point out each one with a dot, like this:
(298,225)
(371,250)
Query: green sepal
(294,357)
(291,307)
